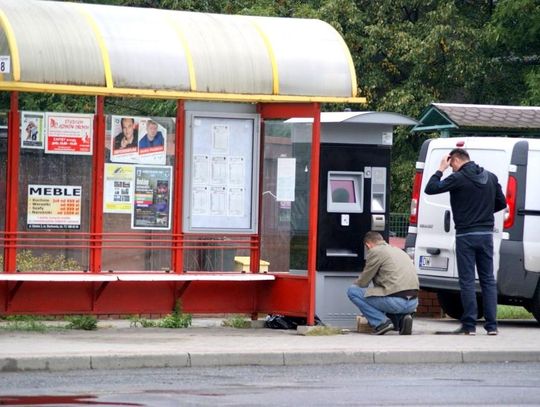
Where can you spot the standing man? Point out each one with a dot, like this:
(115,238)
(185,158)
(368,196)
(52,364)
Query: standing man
(475,195)
(388,304)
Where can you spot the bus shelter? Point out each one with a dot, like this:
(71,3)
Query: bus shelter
(109,211)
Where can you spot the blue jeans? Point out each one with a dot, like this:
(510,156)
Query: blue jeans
(476,250)
(376,308)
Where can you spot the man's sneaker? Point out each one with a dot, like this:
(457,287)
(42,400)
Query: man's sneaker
(493,332)
(383,328)
(406,325)
(463,331)
(460,331)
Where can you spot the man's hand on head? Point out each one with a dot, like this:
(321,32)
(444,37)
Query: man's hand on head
(445,163)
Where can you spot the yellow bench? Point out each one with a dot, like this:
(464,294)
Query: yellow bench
(242,263)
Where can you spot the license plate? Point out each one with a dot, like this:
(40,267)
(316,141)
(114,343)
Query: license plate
(434,263)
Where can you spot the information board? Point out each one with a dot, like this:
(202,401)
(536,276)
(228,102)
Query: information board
(221,173)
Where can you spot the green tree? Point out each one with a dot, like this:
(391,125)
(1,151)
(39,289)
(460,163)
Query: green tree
(514,34)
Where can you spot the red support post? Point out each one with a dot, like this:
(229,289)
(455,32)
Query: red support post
(98,167)
(256,240)
(12,185)
(177,257)
(313,210)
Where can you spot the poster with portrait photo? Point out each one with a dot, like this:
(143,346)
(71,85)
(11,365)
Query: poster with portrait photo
(125,139)
(32,130)
(152,198)
(152,142)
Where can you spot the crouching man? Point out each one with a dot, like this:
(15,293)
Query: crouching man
(393,297)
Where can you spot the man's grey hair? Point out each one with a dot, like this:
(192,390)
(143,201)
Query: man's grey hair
(373,237)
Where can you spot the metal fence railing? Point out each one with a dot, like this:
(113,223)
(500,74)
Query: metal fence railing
(399,224)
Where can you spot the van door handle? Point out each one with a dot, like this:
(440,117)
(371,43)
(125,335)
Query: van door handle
(447,221)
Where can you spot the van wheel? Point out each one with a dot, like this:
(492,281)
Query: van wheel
(450,303)
(535,304)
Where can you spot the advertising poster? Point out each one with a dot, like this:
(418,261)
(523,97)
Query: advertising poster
(32,130)
(69,133)
(54,207)
(138,140)
(118,193)
(152,198)
(286,179)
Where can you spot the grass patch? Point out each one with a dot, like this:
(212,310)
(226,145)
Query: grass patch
(237,321)
(324,331)
(82,322)
(24,323)
(513,312)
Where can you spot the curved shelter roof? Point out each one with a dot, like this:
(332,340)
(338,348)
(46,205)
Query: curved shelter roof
(127,51)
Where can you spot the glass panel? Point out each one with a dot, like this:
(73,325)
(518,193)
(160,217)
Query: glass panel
(3,177)
(137,219)
(284,227)
(58,187)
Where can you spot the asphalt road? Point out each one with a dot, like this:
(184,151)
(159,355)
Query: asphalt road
(516,384)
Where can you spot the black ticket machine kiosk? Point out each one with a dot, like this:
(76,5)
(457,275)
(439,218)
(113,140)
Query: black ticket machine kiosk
(354,198)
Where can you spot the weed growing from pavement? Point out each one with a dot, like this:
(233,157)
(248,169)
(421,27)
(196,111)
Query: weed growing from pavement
(236,321)
(83,322)
(177,319)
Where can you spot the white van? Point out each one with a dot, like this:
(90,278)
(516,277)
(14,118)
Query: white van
(431,236)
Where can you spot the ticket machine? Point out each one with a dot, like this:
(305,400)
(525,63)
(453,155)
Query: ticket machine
(354,198)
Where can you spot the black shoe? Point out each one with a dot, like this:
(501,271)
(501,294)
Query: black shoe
(383,328)
(406,325)
(460,331)
(396,320)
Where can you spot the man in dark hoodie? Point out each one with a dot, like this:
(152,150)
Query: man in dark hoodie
(475,195)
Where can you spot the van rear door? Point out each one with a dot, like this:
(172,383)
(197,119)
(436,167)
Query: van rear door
(435,241)
(531,226)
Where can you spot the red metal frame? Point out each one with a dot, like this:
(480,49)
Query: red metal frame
(313,209)
(312,110)
(288,294)
(177,258)
(12,185)
(98,166)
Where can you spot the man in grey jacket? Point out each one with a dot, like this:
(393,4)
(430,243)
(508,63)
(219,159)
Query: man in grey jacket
(393,296)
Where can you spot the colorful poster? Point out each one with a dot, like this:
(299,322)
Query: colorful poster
(138,140)
(152,198)
(118,193)
(54,207)
(32,130)
(69,133)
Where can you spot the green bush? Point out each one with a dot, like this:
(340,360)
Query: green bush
(177,319)
(83,322)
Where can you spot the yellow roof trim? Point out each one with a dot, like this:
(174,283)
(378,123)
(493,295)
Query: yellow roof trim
(101,44)
(161,94)
(271,55)
(12,43)
(187,52)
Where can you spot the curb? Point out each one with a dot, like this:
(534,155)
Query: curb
(208,359)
